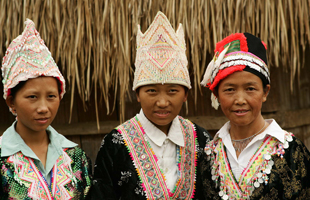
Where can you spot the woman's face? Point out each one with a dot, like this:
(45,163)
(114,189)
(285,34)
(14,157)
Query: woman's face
(241,96)
(161,103)
(36,104)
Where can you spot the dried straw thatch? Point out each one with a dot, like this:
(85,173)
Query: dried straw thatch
(94,40)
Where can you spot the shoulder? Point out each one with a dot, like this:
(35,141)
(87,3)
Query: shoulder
(75,152)
(114,137)
(296,146)
(112,144)
(201,133)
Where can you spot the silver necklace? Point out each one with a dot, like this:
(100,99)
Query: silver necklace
(239,145)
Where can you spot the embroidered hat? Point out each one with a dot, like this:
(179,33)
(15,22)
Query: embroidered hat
(160,56)
(237,52)
(27,57)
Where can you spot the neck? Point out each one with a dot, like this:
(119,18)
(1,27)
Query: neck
(32,138)
(241,132)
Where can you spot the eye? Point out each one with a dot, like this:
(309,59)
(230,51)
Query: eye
(52,96)
(251,88)
(228,89)
(173,90)
(151,91)
(31,97)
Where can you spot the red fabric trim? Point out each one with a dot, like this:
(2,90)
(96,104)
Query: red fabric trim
(236,36)
(224,73)
(265,45)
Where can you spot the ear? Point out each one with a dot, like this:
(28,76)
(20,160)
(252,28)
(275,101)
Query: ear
(266,92)
(138,98)
(10,102)
(185,96)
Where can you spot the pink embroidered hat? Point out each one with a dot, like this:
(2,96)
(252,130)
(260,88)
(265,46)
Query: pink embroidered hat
(27,57)
(237,52)
(160,56)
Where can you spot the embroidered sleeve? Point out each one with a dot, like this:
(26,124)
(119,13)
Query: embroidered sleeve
(105,181)
(290,175)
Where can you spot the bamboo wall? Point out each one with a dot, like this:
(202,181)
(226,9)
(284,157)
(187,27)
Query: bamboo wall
(93,43)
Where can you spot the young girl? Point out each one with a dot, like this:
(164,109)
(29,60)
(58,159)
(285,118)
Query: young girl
(249,157)
(154,154)
(36,161)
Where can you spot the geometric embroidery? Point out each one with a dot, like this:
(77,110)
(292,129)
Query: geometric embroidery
(31,177)
(145,161)
(254,174)
(21,178)
(161,53)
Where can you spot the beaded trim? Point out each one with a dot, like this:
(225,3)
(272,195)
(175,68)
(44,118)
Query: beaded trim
(26,173)
(28,57)
(242,58)
(256,172)
(145,161)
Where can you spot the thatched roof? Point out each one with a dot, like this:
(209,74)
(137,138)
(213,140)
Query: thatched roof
(94,41)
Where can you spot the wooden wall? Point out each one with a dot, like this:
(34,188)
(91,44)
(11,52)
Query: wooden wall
(291,109)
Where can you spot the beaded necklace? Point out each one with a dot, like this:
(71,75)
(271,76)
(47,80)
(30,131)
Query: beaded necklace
(239,145)
(256,173)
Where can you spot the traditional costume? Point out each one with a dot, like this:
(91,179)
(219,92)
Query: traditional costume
(23,176)
(275,164)
(137,160)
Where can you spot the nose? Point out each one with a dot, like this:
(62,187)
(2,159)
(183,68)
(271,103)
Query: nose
(240,98)
(162,101)
(42,106)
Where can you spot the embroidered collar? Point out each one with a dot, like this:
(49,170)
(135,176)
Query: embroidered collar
(273,130)
(13,143)
(145,161)
(258,169)
(157,136)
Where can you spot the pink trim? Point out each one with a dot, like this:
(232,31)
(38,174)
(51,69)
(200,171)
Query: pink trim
(245,170)
(236,52)
(179,188)
(227,166)
(41,180)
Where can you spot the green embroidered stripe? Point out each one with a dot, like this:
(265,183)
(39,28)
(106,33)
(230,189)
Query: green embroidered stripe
(234,46)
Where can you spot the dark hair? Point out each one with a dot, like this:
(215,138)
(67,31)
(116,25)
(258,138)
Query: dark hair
(15,89)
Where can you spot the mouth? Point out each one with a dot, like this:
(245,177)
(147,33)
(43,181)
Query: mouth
(162,114)
(241,112)
(42,120)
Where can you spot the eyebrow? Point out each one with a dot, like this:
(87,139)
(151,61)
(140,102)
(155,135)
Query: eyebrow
(174,85)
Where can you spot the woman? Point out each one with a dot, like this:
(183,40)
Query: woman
(249,157)
(154,154)
(36,161)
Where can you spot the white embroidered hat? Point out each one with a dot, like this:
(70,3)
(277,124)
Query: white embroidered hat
(160,56)
(28,57)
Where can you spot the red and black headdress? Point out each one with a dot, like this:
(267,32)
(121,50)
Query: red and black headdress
(237,52)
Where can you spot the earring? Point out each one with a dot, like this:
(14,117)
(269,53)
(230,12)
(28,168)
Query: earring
(13,111)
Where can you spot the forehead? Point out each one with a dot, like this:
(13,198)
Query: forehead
(241,77)
(41,82)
